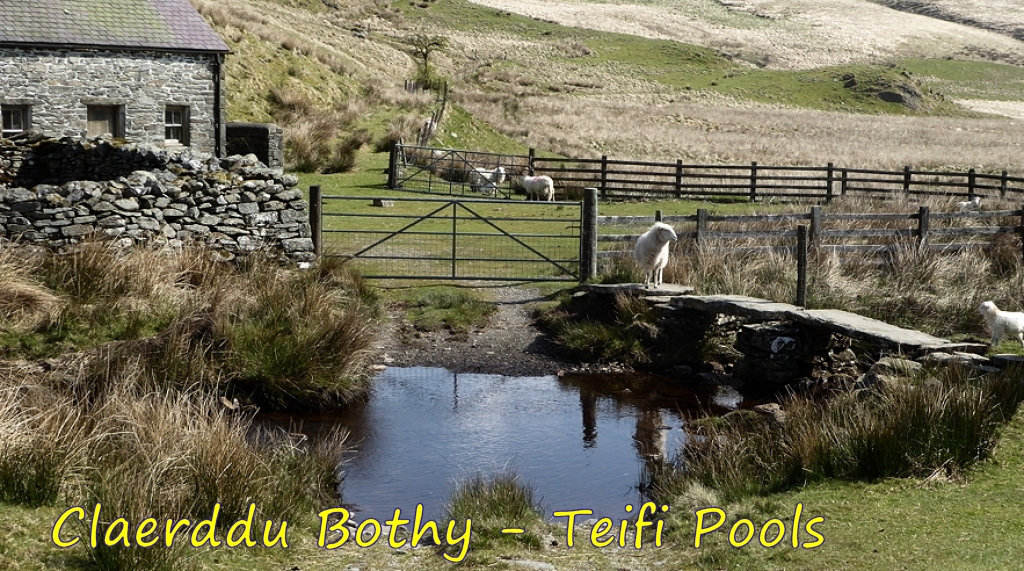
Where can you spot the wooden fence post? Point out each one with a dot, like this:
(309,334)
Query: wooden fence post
(679,178)
(531,155)
(923,225)
(815,236)
(753,181)
(829,179)
(906,180)
(972,183)
(702,225)
(801,265)
(657,215)
(316,219)
(604,177)
(455,235)
(1002,184)
(588,236)
(843,184)
(393,165)
(1021,229)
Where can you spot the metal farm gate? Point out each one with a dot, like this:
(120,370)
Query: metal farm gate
(451,239)
(450,171)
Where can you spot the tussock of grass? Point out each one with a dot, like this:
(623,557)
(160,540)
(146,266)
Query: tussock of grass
(299,342)
(624,335)
(494,504)
(903,428)
(25,303)
(41,442)
(456,310)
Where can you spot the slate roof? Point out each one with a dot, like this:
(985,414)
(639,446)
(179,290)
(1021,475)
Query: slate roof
(171,25)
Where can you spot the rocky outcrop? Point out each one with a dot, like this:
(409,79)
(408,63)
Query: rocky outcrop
(57,192)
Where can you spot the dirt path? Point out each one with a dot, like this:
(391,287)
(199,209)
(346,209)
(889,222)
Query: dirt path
(511,344)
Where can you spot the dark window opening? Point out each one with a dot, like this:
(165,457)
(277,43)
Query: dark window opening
(105,120)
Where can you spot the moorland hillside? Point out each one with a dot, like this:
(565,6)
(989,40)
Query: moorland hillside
(873,84)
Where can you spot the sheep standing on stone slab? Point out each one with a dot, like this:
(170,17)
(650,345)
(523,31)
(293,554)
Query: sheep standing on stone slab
(973,204)
(539,187)
(486,181)
(651,251)
(1002,323)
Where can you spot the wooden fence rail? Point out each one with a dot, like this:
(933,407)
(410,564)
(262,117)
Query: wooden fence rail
(804,234)
(629,179)
(635,179)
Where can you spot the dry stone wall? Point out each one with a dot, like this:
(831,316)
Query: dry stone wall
(58,192)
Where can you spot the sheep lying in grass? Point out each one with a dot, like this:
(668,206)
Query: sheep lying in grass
(973,204)
(651,251)
(486,181)
(1002,323)
(539,188)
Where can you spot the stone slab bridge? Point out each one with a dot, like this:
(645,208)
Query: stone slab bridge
(874,331)
(781,340)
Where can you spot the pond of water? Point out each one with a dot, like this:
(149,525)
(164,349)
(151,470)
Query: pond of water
(580,442)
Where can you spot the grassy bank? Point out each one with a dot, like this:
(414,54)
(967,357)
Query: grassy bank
(249,329)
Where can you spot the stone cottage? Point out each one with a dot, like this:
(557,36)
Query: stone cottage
(149,71)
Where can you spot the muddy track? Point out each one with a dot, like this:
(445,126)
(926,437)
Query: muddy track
(511,344)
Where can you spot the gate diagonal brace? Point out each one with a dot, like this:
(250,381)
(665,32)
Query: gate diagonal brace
(517,240)
(403,229)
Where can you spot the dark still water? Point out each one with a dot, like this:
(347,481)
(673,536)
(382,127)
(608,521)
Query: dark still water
(579,442)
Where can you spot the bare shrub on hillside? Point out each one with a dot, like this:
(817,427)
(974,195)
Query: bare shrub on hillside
(377,91)
(405,129)
(343,153)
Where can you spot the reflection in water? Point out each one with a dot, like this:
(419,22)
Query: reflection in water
(588,404)
(423,429)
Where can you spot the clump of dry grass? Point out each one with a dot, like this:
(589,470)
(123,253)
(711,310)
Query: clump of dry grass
(141,452)
(496,503)
(251,328)
(42,442)
(24,302)
(743,269)
(903,428)
(404,129)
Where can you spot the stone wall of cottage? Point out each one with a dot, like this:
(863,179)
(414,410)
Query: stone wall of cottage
(59,84)
(58,192)
(265,140)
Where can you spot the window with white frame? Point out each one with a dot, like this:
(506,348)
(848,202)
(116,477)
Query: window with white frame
(176,125)
(15,119)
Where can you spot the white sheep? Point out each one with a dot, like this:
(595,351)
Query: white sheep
(973,204)
(651,251)
(486,181)
(539,187)
(1002,323)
